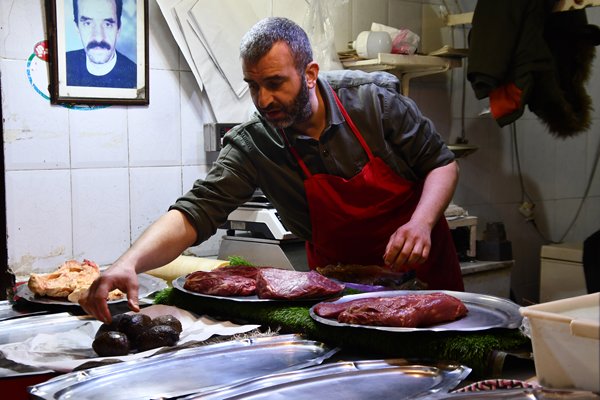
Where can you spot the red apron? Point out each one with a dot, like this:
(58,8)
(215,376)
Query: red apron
(353,219)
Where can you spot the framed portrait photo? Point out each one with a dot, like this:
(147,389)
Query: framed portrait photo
(98,51)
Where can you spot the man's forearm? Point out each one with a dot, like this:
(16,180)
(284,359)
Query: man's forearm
(438,190)
(160,244)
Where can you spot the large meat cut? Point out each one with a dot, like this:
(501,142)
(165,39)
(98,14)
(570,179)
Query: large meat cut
(274,283)
(364,274)
(409,311)
(265,282)
(70,280)
(239,280)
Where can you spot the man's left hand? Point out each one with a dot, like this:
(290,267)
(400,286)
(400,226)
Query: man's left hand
(409,245)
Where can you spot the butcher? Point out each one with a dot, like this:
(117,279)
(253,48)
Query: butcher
(350,164)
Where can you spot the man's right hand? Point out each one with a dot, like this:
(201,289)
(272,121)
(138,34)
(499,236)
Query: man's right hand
(115,277)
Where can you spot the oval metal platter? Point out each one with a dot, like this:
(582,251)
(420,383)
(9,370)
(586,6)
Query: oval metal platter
(190,370)
(148,285)
(485,312)
(362,379)
(179,282)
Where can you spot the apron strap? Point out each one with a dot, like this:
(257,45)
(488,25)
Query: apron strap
(352,126)
(303,166)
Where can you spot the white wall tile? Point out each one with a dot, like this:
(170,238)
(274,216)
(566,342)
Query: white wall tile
(100,214)
(504,175)
(38,216)
(434,101)
(210,247)
(153,190)
(365,12)
(566,227)
(405,15)
(342,25)
(537,154)
(36,134)
(155,130)
(98,137)
(570,166)
(473,107)
(526,244)
(191,173)
(162,48)
(22,24)
(194,114)
(294,10)
(486,175)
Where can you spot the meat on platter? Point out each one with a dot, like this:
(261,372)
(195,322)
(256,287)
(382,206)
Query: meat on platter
(264,282)
(408,311)
(237,280)
(70,281)
(281,284)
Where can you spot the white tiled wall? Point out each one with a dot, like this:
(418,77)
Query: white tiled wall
(101,213)
(84,184)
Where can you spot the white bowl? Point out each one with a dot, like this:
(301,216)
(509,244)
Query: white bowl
(369,43)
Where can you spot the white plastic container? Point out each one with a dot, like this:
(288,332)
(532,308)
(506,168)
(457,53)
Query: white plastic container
(369,44)
(565,335)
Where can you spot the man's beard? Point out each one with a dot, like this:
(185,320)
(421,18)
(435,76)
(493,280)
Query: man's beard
(298,111)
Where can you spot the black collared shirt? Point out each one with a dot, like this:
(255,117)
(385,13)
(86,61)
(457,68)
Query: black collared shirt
(254,155)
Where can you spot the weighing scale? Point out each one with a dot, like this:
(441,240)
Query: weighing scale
(255,232)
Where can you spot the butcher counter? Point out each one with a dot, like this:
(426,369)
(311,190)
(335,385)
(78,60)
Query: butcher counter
(495,357)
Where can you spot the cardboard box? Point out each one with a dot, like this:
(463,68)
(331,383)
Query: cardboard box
(565,335)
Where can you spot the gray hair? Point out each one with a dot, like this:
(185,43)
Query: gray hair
(261,37)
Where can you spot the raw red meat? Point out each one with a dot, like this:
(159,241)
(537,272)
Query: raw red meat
(239,270)
(409,311)
(274,283)
(230,281)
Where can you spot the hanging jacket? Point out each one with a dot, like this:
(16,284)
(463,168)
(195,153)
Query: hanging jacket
(521,53)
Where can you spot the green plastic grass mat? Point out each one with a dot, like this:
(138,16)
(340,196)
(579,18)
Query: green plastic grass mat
(473,349)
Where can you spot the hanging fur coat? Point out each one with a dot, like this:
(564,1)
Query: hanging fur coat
(521,53)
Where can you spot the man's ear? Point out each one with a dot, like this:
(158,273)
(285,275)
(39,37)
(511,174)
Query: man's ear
(312,72)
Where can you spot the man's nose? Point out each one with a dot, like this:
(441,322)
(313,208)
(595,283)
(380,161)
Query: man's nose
(264,98)
(97,33)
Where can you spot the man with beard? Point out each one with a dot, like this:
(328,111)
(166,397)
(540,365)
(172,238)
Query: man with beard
(350,164)
(99,64)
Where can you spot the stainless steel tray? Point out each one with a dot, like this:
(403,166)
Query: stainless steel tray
(485,312)
(369,379)
(186,371)
(8,311)
(148,285)
(21,329)
(179,282)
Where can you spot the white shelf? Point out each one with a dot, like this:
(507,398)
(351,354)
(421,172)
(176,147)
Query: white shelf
(406,66)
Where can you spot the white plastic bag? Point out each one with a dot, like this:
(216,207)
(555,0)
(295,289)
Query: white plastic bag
(404,41)
(319,28)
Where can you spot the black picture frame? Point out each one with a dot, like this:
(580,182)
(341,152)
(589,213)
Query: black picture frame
(71,82)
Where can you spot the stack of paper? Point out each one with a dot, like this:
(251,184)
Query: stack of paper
(208,34)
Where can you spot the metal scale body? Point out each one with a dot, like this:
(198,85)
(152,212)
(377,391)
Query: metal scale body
(255,232)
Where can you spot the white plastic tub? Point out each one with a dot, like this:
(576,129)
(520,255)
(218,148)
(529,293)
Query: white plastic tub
(565,335)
